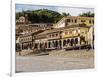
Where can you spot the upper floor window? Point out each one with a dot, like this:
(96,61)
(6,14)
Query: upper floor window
(72,20)
(90,21)
(68,20)
(53,35)
(21,39)
(70,32)
(82,20)
(75,21)
(56,34)
(93,21)
(50,35)
(66,32)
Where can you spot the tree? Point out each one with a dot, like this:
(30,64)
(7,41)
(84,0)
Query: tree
(88,14)
(65,14)
(42,16)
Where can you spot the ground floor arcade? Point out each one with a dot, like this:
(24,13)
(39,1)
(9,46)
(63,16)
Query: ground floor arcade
(52,43)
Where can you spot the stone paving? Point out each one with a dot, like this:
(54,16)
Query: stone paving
(51,63)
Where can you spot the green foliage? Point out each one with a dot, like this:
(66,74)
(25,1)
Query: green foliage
(65,14)
(88,14)
(47,16)
(41,16)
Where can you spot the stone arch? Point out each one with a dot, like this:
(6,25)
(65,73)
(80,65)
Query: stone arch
(22,46)
(76,40)
(40,45)
(45,44)
(49,44)
(68,41)
(17,47)
(72,42)
(60,43)
(56,43)
(36,45)
(25,45)
(82,39)
(53,43)
(28,45)
(64,42)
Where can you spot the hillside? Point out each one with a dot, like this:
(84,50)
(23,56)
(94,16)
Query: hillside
(41,16)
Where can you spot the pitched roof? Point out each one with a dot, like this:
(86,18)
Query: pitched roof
(60,29)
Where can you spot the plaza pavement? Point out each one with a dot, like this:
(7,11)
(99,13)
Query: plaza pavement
(51,63)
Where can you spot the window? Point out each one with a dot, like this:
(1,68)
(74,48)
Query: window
(64,42)
(90,21)
(68,20)
(82,20)
(53,35)
(49,44)
(50,35)
(70,32)
(56,34)
(75,21)
(76,40)
(21,39)
(93,21)
(72,20)
(66,32)
(29,38)
(76,31)
(68,41)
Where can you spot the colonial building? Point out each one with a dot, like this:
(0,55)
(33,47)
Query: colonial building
(23,25)
(72,20)
(63,37)
(24,41)
(69,32)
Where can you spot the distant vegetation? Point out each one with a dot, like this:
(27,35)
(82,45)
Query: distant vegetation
(88,14)
(46,16)
(42,15)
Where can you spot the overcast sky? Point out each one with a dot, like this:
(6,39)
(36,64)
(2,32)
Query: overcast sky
(74,11)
